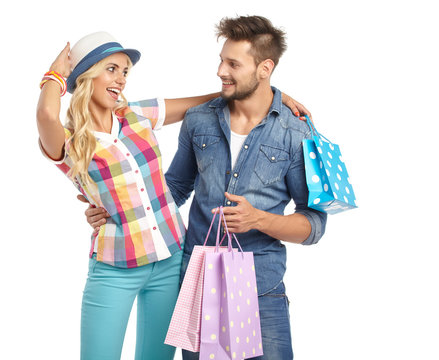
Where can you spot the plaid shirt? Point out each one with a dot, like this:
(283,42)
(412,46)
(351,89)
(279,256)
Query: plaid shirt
(144,225)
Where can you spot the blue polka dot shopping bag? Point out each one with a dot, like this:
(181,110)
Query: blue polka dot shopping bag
(329,186)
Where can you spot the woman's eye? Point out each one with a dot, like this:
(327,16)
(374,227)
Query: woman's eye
(111,68)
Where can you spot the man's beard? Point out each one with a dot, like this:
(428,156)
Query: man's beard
(245,93)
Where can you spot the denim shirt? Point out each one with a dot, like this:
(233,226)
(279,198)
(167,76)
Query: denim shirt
(269,172)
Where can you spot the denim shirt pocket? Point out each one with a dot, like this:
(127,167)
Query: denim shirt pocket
(205,147)
(271,164)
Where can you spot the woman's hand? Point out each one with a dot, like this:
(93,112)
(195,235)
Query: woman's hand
(296,107)
(62,63)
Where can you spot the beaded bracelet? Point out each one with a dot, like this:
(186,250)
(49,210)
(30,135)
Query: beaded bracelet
(55,76)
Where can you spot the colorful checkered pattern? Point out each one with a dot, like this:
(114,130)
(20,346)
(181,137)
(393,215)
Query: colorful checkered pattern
(145,225)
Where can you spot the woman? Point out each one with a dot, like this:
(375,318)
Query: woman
(108,149)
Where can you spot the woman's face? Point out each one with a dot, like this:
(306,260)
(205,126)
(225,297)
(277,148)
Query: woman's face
(111,82)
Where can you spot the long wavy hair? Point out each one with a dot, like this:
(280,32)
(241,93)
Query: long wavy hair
(82,144)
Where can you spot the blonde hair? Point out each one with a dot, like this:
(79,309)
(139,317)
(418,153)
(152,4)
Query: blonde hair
(80,122)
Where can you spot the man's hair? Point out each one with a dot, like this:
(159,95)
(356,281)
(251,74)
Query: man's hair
(267,42)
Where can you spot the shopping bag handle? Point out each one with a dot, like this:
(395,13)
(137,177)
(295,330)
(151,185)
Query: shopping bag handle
(211,224)
(314,130)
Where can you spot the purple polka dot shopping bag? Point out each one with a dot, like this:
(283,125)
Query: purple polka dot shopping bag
(185,326)
(230,325)
(329,186)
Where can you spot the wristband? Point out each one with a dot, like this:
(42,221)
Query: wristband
(55,76)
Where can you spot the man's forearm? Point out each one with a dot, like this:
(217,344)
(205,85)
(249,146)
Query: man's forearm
(293,228)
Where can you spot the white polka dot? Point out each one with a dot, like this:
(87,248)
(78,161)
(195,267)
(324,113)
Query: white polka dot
(312,155)
(349,181)
(227,268)
(223,329)
(328,173)
(234,355)
(331,146)
(207,317)
(237,339)
(243,354)
(340,168)
(227,348)
(213,337)
(316,201)
(253,267)
(335,195)
(329,163)
(240,293)
(336,186)
(345,199)
(213,291)
(242,325)
(248,283)
(240,271)
(347,190)
(254,351)
(315,178)
(249,320)
(238,308)
(254,333)
(256,314)
(247,339)
(234,279)
(326,187)
(232,296)
(260,346)
(320,150)
(210,266)
(248,301)
(338,176)
(330,155)
(341,159)
(212,356)
(232,323)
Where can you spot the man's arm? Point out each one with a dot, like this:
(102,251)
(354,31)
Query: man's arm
(183,170)
(244,217)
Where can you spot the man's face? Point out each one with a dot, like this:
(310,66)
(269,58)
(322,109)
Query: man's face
(237,71)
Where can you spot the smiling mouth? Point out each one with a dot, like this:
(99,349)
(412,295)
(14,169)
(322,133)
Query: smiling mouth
(114,93)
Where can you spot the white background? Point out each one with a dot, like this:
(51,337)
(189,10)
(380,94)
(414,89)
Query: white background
(367,70)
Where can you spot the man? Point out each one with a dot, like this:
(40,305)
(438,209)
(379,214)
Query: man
(244,151)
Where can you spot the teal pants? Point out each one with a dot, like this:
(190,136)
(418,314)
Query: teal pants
(107,301)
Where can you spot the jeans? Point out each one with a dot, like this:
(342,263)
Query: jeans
(275,327)
(107,301)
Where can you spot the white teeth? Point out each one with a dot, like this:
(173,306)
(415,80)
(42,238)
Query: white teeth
(117,91)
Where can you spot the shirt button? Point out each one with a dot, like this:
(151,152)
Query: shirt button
(245,147)
(227,172)
(235,175)
(228,202)
(273,158)
(204,145)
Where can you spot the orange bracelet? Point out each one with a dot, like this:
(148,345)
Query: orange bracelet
(55,76)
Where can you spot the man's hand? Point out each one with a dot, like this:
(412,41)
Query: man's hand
(240,218)
(96,217)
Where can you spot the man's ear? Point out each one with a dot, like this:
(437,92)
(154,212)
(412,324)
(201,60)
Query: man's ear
(266,68)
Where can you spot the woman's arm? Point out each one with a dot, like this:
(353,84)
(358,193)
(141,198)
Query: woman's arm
(50,128)
(176,108)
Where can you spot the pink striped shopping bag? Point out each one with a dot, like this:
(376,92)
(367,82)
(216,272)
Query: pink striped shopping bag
(184,329)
